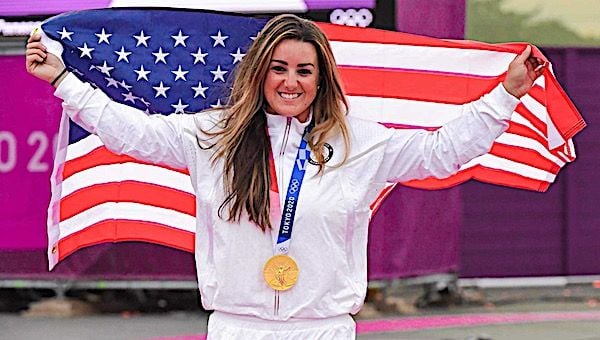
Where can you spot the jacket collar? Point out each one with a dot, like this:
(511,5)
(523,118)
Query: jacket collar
(278,123)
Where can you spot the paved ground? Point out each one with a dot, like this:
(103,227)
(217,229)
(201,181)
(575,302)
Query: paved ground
(515,314)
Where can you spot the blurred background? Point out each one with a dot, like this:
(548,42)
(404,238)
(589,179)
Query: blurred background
(472,245)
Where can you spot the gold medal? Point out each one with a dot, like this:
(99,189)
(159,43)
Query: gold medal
(281,272)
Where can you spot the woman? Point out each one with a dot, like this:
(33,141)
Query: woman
(286,117)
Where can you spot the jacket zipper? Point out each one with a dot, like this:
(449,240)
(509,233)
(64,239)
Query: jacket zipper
(286,135)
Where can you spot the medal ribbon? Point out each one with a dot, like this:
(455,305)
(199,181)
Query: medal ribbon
(282,246)
(288,212)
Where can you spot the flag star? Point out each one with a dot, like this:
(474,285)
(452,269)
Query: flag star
(142,74)
(145,102)
(180,39)
(129,97)
(92,67)
(103,37)
(254,37)
(125,86)
(179,107)
(237,56)
(217,105)
(160,56)
(161,90)
(180,74)
(199,56)
(112,82)
(85,51)
(219,39)
(199,90)
(64,34)
(142,39)
(123,55)
(105,68)
(218,74)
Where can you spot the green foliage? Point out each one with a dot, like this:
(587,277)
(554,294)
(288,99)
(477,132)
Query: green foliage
(488,21)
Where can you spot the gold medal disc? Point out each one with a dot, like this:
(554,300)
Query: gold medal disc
(281,272)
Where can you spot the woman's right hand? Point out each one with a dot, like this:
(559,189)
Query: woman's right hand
(39,62)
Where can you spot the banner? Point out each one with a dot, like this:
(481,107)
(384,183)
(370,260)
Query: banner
(29,117)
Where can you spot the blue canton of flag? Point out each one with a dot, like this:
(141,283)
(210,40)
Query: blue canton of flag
(159,61)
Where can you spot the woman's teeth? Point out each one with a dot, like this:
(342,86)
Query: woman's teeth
(289,95)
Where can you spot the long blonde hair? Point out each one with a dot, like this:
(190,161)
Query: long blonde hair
(243,143)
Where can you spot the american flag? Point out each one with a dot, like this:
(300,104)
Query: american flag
(175,62)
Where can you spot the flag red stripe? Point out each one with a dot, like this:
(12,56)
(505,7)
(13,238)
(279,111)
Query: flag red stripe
(126,230)
(415,85)
(525,156)
(274,186)
(538,93)
(479,172)
(564,115)
(127,191)
(102,156)
(510,179)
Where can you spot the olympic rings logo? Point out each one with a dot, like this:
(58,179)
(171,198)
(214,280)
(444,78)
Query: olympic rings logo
(294,186)
(351,17)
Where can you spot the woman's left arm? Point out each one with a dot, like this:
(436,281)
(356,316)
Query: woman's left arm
(419,154)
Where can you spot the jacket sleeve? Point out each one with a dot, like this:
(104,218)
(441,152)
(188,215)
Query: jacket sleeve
(123,129)
(411,154)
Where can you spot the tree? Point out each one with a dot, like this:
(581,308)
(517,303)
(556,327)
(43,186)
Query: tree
(488,21)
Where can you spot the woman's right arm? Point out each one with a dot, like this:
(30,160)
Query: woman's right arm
(123,129)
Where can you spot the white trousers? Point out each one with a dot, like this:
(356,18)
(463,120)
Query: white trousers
(225,326)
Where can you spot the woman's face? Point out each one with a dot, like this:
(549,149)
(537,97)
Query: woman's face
(291,82)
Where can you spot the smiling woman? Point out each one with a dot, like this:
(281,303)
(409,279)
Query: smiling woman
(279,75)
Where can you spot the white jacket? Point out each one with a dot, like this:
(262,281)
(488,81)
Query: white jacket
(329,240)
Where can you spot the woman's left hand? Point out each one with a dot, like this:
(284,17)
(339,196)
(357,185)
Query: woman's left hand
(522,72)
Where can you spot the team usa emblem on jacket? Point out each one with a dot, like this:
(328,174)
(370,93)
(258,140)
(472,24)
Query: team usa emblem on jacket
(328,153)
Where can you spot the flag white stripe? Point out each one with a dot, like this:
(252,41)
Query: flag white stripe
(495,162)
(83,147)
(541,81)
(570,148)
(426,58)
(126,211)
(535,107)
(402,111)
(127,172)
